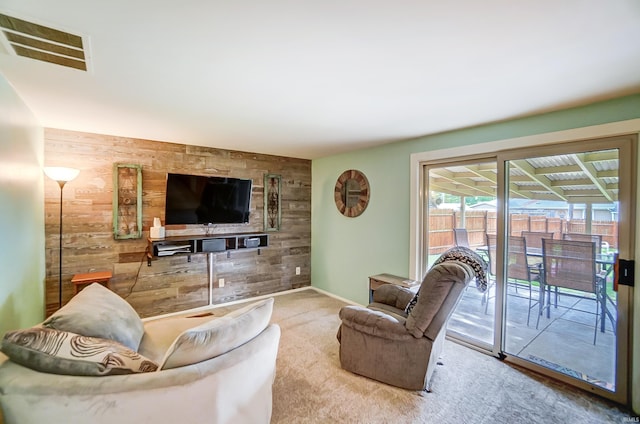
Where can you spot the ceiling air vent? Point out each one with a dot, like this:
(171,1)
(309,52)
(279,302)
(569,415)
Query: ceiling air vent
(43,43)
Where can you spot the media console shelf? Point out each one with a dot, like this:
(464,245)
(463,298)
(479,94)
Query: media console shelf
(189,245)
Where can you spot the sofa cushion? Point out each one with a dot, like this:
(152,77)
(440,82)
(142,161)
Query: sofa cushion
(61,352)
(98,312)
(159,334)
(218,336)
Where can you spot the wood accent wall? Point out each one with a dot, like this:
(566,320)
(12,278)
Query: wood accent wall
(171,283)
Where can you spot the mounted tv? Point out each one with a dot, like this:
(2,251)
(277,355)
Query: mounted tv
(196,199)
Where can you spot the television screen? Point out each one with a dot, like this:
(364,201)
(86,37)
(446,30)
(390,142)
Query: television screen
(194,199)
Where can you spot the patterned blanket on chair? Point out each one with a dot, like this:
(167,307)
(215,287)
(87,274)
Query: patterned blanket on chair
(468,256)
(460,254)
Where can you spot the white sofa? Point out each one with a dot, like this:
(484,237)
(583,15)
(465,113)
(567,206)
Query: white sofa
(233,386)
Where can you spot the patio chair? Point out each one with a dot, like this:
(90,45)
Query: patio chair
(461,237)
(534,238)
(595,238)
(570,264)
(534,241)
(519,268)
(492,241)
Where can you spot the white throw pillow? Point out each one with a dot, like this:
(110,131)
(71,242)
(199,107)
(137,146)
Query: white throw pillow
(219,335)
(98,312)
(159,334)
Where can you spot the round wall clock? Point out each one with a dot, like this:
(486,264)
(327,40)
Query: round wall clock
(352,193)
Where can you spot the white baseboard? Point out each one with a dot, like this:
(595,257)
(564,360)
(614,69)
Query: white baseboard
(235,302)
(350,302)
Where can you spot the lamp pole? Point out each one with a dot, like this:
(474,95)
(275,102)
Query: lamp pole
(61,184)
(62,176)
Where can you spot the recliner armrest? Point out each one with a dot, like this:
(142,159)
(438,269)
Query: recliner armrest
(392,295)
(374,323)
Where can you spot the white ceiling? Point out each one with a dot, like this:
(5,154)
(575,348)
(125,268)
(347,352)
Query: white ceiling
(311,78)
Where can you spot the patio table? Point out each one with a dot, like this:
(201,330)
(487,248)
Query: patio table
(606,260)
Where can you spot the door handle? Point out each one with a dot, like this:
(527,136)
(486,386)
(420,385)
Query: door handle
(623,271)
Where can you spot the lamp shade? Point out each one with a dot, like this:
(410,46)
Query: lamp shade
(60,173)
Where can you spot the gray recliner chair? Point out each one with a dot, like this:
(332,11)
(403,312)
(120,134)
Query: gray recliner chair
(386,344)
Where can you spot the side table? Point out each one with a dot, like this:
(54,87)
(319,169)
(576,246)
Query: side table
(376,281)
(81,280)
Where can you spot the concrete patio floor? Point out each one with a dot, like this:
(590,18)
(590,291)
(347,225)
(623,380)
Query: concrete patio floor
(562,342)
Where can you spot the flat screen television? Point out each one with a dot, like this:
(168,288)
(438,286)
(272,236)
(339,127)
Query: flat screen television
(196,199)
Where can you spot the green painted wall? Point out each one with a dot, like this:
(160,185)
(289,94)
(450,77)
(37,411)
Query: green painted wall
(345,251)
(21,214)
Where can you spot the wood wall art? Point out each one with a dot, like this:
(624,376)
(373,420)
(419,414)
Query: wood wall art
(127,201)
(272,214)
(352,193)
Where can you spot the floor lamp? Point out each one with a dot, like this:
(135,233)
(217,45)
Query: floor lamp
(62,176)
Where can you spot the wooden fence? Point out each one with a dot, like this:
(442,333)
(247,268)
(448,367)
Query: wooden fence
(478,223)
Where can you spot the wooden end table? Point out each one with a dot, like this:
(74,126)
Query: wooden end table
(376,281)
(80,281)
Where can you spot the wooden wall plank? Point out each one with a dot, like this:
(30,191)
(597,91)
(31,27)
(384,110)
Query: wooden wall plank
(171,284)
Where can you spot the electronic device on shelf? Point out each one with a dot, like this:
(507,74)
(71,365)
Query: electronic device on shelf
(196,244)
(197,199)
(251,242)
(174,247)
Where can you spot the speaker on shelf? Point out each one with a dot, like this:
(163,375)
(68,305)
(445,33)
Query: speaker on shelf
(214,245)
(252,242)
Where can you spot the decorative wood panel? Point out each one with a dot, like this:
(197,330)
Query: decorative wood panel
(127,201)
(272,215)
(170,284)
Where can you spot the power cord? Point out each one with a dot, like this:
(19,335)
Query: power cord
(137,273)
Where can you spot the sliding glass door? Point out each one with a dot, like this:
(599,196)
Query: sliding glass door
(461,210)
(549,222)
(562,222)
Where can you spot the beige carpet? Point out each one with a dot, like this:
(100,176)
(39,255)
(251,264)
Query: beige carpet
(470,387)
